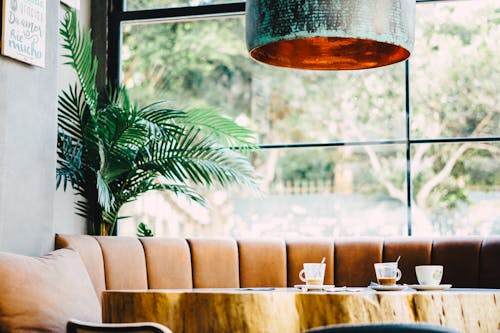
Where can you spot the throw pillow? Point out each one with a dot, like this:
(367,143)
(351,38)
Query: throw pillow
(42,294)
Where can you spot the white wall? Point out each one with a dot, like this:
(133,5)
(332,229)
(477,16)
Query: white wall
(30,210)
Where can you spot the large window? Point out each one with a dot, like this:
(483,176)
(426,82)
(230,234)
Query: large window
(342,153)
(205,63)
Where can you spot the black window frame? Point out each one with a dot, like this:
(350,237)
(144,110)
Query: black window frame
(117,15)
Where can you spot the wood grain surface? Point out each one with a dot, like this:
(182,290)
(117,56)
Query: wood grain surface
(285,310)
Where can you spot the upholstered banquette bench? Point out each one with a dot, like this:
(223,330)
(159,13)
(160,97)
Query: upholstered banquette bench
(172,263)
(42,294)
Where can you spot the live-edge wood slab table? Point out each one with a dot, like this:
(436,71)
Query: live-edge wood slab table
(293,311)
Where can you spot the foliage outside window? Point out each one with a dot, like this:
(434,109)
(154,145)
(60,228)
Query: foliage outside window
(148,4)
(334,190)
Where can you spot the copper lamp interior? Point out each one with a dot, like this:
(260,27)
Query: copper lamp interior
(330,34)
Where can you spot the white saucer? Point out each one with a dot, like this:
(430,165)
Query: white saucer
(344,289)
(306,287)
(430,287)
(383,287)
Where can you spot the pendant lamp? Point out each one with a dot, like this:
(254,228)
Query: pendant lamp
(330,34)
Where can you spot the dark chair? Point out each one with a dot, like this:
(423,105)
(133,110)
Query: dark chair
(76,326)
(382,328)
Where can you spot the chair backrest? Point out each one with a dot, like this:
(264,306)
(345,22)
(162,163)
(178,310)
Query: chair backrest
(384,328)
(77,326)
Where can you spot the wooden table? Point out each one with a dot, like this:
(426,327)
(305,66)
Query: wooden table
(293,311)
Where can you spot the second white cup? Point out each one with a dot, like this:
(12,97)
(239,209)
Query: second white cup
(429,274)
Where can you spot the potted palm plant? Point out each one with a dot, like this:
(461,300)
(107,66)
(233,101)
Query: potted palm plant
(110,150)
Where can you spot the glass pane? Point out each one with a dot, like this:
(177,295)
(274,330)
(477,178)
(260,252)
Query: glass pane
(455,70)
(154,4)
(305,192)
(205,63)
(456,189)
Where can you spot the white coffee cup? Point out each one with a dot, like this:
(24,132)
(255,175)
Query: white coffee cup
(313,273)
(429,274)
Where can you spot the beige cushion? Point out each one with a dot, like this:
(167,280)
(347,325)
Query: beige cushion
(90,252)
(42,294)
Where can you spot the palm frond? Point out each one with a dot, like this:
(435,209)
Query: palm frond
(79,47)
(74,120)
(162,120)
(72,112)
(122,135)
(144,231)
(136,185)
(83,208)
(69,168)
(227,131)
(110,218)
(184,190)
(158,112)
(90,211)
(200,160)
(143,181)
(105,196)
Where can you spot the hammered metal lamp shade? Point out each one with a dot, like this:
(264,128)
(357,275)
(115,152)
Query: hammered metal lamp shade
(330,34)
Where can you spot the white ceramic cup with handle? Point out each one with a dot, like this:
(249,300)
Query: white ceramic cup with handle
(313,273)
(429,274)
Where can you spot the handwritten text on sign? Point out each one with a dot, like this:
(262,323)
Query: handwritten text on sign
(23,31)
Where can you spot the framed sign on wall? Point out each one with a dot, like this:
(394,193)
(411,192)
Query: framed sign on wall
(23,30)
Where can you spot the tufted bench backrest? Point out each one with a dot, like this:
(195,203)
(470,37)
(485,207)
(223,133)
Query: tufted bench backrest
(176,263)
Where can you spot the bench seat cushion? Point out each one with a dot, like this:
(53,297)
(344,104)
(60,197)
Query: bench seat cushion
(215,262)
(124,263)
(412,252)
(489,269)
(42,294)
(300,251)
(168,262)
(262,263)
(354,260)
(460,259)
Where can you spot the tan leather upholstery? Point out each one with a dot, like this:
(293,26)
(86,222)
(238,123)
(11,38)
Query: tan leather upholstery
(222,262)
(168,262)
(124,263)
(42,294)
(489,263)
(308,250)
(91,255)
(460,258)
(215,262)
(262,263)
(413,252)
(354,259)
